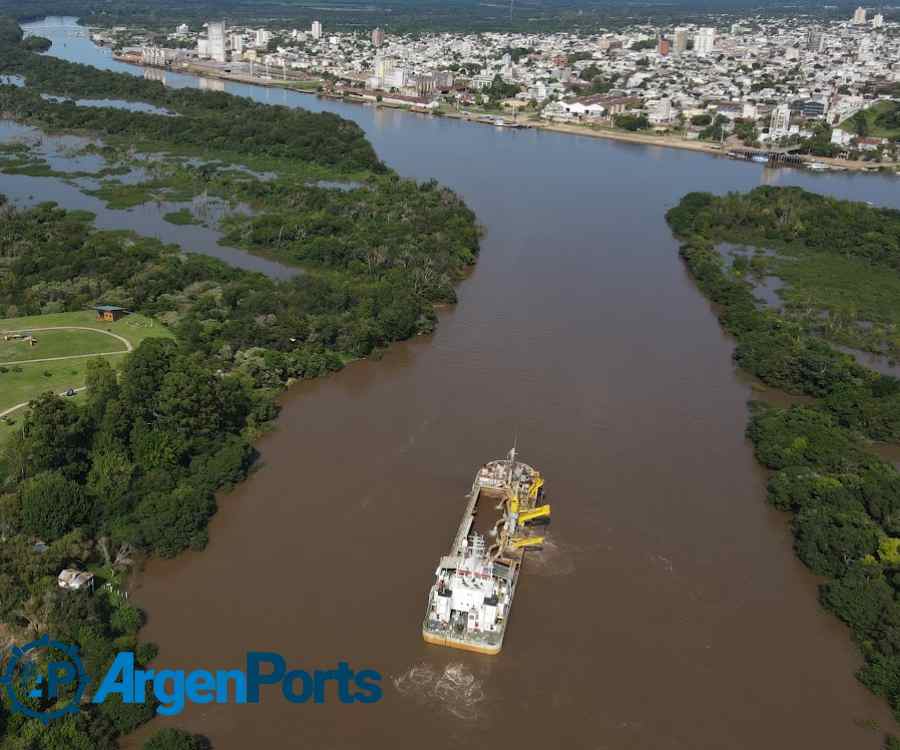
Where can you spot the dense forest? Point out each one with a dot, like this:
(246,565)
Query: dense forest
(844,500)
(131,470)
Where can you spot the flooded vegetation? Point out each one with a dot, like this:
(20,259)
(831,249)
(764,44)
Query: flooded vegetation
(73,172)
(113,104)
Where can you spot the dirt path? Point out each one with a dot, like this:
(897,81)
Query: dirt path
(11,409)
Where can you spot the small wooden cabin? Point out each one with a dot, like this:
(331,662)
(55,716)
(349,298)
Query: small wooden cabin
(110,313)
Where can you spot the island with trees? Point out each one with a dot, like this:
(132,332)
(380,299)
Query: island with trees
(844,500)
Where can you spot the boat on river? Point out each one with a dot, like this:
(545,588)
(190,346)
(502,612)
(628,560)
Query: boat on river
(469,603)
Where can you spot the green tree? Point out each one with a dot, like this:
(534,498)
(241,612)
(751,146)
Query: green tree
(175,739)
(631,122)
(56,437)
(102,386)
(52,505)
(110,479)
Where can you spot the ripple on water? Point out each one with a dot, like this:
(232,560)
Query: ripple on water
(455,688)
(552,560)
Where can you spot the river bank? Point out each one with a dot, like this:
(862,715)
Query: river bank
(645,139)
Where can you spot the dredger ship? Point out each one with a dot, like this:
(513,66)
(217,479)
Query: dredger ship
(468,605)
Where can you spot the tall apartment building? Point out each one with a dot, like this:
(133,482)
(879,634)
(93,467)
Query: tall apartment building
(216,33)
(780,122)
(704,40)
(859,15)
(815,40)
(316,29)
(680,41)
(263,37)
(377,37)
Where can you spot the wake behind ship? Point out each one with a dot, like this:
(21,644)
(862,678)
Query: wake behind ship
(469,603)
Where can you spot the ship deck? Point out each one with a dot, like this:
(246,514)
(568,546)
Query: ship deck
(487,514)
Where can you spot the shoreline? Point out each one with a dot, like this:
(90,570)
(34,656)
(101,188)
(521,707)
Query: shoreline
(644,139)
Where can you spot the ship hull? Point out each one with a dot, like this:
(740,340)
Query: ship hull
(440,640)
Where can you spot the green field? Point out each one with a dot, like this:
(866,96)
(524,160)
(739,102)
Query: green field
(57,344)
(23,380)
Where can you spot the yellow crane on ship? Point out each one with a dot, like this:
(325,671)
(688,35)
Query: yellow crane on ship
(534,515)
(520,542)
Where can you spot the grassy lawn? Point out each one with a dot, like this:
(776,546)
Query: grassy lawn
(58,344)
(25,380)
(135,328)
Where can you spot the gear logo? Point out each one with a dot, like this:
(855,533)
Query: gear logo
(28,685)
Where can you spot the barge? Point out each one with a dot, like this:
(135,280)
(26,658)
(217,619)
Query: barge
(469,603)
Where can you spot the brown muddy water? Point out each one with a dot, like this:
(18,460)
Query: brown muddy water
(668,611)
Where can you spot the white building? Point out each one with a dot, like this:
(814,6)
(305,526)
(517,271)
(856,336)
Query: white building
(385,69)
(216,33)
(75,580)
(859,15)
(538,92)
(237,44)
(182,28)
(704,40)
(263,37)
(780,124)
(877,21)
(660,113)
(580,109)
(316,29)
(841,137)
(156,56)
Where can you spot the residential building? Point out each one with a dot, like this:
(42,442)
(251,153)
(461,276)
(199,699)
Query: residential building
(377,37)
(780,123)
(680,41)
(859,16)
(216,33)
(815,40)
(316,29)
(704,40)
(263,36)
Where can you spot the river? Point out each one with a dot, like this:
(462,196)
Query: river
(667,612)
